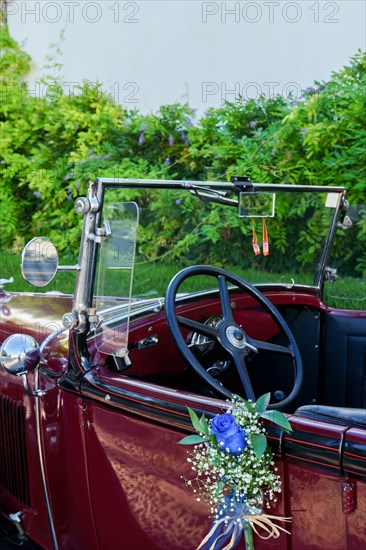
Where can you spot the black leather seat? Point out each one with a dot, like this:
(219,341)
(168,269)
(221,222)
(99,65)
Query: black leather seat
(344,416)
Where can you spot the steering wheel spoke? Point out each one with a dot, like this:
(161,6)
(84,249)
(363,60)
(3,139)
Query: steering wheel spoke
(201,328)
(267,346)
(243,375)
(225,299)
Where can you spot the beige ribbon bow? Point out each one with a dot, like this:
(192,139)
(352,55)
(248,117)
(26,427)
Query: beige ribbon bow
(264,522)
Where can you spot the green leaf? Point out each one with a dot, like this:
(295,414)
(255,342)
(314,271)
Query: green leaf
(195,421)
(191,440)
(276,417)
(205,426)
(247,403)
(262,402)
(259,444)
(216,462)
(249,406)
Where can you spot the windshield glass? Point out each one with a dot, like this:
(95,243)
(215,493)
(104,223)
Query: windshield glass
(178,229)
(115,274)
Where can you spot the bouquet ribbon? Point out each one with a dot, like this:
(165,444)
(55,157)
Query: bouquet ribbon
(226,532)
(264,522)
(222,531)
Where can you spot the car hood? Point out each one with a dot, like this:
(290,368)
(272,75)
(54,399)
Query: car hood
(38,315)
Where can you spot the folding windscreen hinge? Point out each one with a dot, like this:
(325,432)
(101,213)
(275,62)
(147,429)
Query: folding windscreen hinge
(94,319)
(101,233)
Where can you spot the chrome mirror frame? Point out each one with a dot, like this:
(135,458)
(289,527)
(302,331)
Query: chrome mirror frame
(39,261)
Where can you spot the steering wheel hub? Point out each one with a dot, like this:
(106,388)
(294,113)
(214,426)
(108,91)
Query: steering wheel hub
(236,337)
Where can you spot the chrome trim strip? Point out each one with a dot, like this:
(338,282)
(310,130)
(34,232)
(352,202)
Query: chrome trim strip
(37,410)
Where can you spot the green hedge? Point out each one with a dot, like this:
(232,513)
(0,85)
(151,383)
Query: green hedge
(53,145)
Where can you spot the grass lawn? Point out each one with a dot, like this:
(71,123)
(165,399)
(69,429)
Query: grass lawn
(10,267)
(151,280)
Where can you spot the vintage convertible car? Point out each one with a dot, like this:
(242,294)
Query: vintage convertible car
(94,386)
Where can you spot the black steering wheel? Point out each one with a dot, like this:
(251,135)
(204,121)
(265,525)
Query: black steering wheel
(228,333)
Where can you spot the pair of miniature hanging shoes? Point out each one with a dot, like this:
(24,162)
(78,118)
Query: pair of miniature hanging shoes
(256,247)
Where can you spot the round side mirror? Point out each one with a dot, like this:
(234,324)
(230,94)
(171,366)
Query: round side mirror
(19,354)
(39,261)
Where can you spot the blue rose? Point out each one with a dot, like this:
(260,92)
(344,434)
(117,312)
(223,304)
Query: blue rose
(230,437)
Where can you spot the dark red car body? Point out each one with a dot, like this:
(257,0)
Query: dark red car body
(108,439)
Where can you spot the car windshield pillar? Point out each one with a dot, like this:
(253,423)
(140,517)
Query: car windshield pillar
(90,208)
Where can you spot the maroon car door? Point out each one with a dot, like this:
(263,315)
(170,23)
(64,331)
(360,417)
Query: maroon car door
(137,469)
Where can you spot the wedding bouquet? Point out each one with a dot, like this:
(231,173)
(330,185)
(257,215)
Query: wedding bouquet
(235,473)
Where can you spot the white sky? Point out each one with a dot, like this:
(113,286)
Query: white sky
(154,52)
